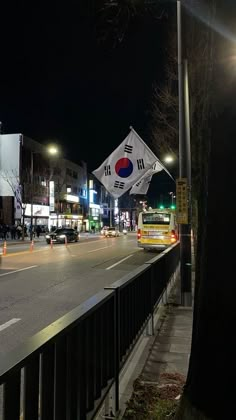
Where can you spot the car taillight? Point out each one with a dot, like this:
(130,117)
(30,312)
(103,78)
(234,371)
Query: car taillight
(139,233)
(173,236)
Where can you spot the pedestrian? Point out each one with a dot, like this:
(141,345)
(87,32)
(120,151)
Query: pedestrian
(38,230)
(4,231)
(19,231)
(13,232)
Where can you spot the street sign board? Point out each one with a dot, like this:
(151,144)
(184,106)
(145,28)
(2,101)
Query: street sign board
(182,201)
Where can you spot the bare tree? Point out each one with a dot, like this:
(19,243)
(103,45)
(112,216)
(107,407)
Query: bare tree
(13,181)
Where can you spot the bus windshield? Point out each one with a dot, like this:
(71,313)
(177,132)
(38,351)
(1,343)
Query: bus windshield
(156,219)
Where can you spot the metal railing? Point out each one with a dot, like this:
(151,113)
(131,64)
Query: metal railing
(66,370)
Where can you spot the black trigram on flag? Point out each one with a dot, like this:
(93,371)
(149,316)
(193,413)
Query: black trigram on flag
(138,183)
(128,149)
(119,184)
(140,164)
(107,170)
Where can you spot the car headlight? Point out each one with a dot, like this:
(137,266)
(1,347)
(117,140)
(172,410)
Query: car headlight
(113,233)
(47,237)
(62,236)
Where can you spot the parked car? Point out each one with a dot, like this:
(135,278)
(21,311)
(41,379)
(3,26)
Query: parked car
(60,235)
(112,232)
(104,229)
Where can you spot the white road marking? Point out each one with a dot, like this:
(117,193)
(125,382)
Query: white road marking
(123,259)
(16,271)
(94,250)
(9,323)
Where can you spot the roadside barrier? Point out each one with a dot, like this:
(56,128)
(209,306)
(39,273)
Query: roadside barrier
(51,243)
(32,246)
(65,240)
(79,357)
(4,248)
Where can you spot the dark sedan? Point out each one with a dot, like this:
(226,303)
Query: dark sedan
(62,235)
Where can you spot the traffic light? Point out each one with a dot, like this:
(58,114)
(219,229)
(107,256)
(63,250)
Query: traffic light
(172,207)
(161,207)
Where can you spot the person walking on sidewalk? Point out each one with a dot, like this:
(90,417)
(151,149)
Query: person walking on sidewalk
(4,231)
(19,231)
(13,232)
(38,230)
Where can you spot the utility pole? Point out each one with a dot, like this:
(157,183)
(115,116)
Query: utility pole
(184,166)
(31,193)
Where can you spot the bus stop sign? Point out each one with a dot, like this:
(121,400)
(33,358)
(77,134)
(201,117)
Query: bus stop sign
(182,201)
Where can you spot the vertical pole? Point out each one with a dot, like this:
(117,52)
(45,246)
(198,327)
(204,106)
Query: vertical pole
(31,195)
(110,212)
(184,166)
(117,349)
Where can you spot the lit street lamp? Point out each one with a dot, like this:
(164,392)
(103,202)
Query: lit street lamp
(168,159)
(172,197)
(50,150)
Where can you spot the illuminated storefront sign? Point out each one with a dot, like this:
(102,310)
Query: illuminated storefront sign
(38,210)
(51,196)
(72,198)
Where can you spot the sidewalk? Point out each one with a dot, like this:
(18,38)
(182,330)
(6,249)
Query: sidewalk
(10,241)
(171,348)
(164,364)
(83,235)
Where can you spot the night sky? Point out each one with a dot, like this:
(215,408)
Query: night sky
(58,83)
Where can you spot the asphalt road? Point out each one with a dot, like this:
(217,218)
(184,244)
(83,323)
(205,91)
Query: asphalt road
(38,287)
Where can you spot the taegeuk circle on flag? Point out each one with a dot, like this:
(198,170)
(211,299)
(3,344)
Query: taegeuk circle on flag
(124,167)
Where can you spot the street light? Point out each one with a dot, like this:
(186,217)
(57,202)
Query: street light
(184,163)
(168,159)
(172,197)
(50,150)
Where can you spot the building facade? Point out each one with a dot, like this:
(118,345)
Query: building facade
(36,189)
(68,194)
(101,206)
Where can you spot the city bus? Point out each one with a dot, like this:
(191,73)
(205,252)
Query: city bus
(157,229)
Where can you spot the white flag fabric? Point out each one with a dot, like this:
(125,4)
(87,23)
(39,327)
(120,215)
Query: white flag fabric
(141,187)
(126,165)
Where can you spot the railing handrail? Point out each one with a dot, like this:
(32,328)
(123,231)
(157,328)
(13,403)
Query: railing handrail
(127,278)
(16,357)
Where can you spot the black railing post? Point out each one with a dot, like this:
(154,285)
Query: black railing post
(117,344)
(152,300)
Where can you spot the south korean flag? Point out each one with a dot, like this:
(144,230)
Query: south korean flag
(126,165)
(141,187)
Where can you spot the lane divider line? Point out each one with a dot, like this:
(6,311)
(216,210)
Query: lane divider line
(123,259)
(94,250)
(20,269)
(9,323)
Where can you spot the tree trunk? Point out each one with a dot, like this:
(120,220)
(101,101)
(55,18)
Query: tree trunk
(210,386)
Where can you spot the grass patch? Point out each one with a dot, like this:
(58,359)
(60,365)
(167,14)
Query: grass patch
(155,401)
